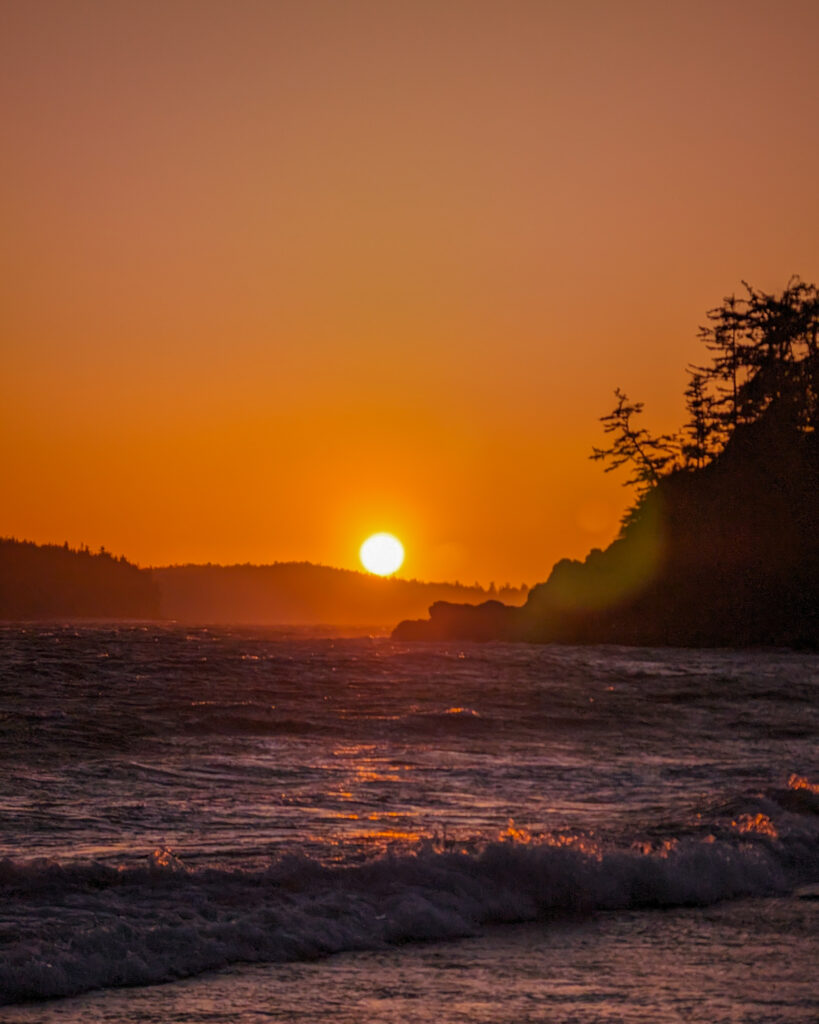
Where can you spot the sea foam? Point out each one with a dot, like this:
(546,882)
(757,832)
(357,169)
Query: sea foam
(71,927)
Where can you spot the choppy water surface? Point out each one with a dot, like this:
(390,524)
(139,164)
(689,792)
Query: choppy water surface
(174,802)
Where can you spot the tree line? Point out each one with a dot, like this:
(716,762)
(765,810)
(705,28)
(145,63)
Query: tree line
(40,581)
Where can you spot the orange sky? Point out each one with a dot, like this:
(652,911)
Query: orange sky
(276,275)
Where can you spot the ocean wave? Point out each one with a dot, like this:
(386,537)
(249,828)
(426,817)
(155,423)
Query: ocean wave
(70,927)
(454,719)
(261,723)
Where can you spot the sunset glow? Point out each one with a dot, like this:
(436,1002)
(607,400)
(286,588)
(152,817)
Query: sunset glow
(304,237)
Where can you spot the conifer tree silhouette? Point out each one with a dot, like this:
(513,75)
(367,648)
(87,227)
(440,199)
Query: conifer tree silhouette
(765,364)
(699,436)
(647,456)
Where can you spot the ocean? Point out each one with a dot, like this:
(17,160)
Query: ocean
(258,825)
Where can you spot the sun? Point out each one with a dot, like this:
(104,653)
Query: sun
(382,554)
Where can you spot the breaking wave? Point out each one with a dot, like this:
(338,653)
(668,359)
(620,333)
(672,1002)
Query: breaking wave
(72,927)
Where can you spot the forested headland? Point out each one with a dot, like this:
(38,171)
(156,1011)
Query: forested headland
(721,543)
(46,581)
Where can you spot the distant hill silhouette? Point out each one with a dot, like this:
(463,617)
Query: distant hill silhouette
(300,593)
(722,545)
(52,581)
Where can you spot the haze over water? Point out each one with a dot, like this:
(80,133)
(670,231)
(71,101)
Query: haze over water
(177,802)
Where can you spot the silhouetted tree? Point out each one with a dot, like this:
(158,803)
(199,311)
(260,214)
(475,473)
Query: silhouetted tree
(724,336)
(765,364)
(648,457)
(700,437)
(765,354)
(783,354)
